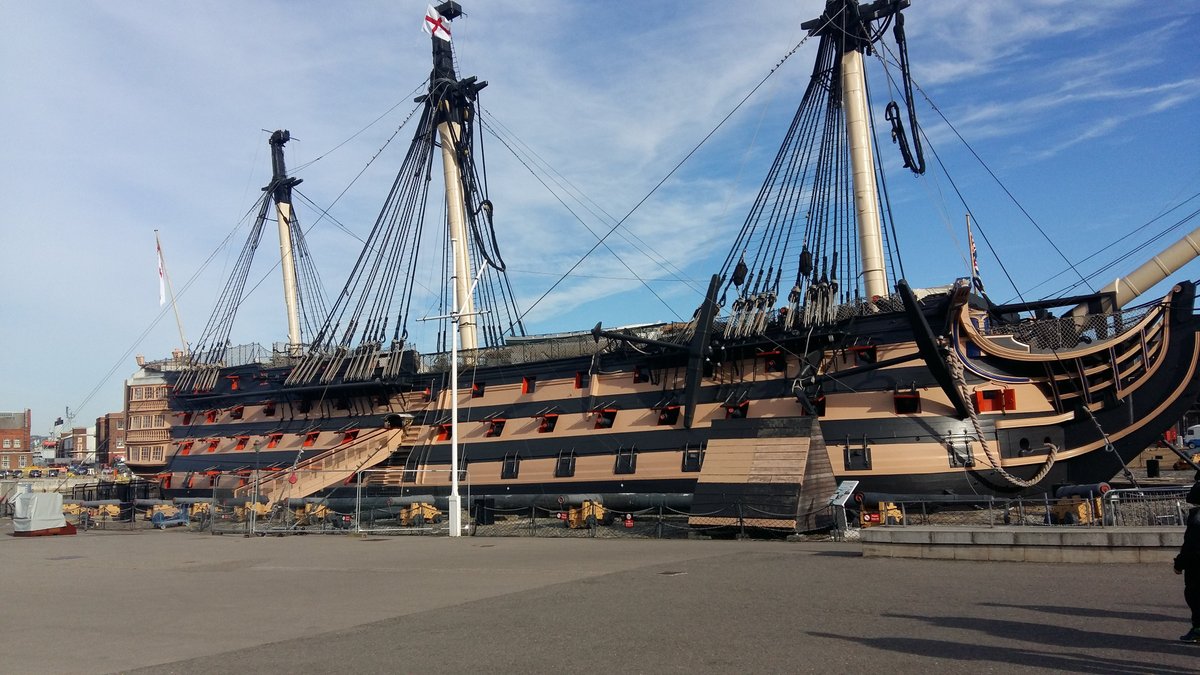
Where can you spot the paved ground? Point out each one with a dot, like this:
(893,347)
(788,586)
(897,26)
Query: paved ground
(174,602)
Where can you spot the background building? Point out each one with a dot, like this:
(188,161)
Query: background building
(110,439)
(16,450)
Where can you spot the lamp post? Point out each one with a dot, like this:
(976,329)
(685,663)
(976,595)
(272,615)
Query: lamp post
(257,478)
(456,315)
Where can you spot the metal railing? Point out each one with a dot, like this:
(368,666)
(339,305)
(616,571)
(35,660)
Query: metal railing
(1133,507)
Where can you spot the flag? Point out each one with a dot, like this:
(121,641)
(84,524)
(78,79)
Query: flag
(435,25)
(162,283)
(976,281)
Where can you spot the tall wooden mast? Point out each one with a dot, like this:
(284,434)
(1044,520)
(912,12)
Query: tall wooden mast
(849,23)
(281,193)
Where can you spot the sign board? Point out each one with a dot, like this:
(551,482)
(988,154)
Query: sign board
(844,490)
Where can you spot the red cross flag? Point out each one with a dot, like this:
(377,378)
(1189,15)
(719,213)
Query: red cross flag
(435,25)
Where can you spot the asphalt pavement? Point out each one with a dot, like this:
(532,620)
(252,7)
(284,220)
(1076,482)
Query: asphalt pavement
(175,602)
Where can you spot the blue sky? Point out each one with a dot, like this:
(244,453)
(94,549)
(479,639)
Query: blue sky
(123,118)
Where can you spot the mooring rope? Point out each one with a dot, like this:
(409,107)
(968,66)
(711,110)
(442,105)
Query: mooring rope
(992,453)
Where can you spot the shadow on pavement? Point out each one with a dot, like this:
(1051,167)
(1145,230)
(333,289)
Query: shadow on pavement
(1079,662)
(1081,611)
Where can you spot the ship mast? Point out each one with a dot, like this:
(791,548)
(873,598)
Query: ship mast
(850,22)
(281,193)
(450,125)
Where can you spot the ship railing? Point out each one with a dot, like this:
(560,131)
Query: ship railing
(551,348)
(1068,331)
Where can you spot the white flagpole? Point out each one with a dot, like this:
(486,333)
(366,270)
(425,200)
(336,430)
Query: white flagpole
(164,283)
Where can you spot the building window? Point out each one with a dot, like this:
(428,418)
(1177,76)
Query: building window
(7,443)
(511,466)
(17,443)
(121,425)
(4,462)
(565,467)
(626,461)
(120,445)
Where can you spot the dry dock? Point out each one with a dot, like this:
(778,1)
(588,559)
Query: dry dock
(173,602)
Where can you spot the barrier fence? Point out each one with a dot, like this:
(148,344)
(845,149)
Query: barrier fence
(1127,507)
(395,501)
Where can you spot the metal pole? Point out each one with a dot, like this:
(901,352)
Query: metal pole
(455,501)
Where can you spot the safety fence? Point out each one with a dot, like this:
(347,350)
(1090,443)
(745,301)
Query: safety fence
(1132,507)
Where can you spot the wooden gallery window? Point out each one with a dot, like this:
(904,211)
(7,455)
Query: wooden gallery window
(626,461)
(511,467)
(565,466)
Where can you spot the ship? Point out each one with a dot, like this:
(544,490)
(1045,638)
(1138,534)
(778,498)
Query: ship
(809,361)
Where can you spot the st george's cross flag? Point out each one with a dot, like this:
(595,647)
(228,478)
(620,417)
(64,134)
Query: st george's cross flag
(435,25)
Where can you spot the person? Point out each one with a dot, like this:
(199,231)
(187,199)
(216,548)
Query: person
(1187,563)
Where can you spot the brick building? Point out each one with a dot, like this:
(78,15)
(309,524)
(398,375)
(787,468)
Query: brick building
(15,432)
(110,439)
